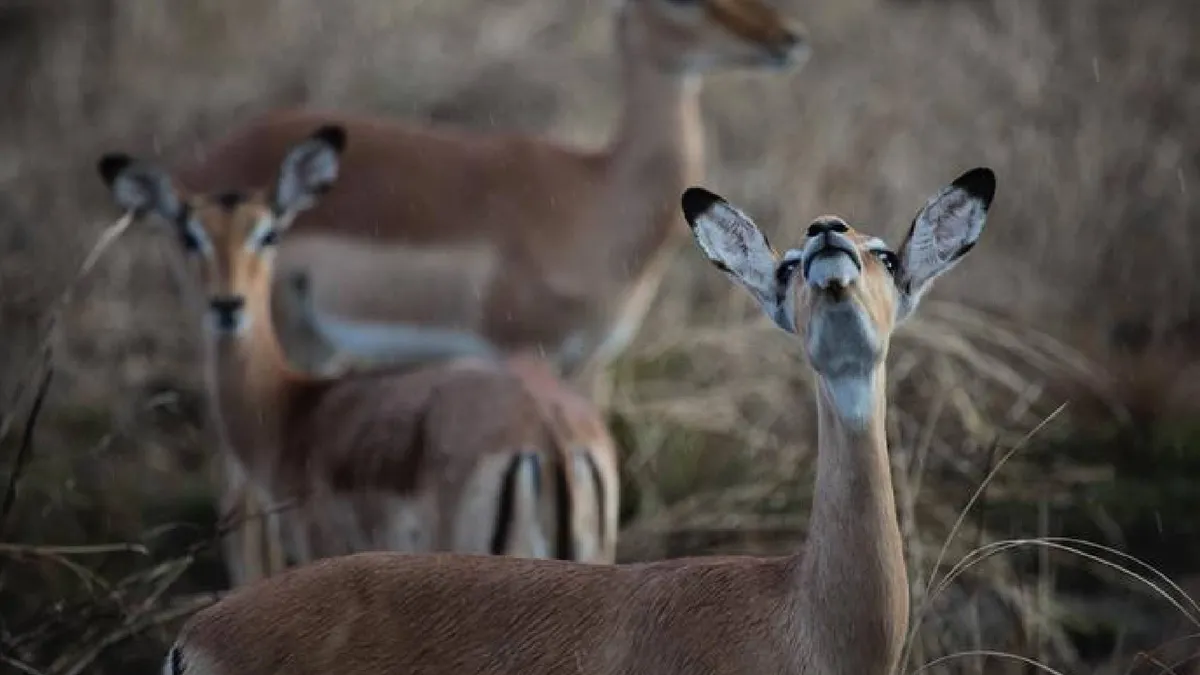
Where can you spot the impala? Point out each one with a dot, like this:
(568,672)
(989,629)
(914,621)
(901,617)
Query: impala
(514,241)
(588,452)
(841,606)
(453,456)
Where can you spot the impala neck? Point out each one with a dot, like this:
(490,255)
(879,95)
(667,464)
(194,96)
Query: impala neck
(248,379)
(655,153)
(852,584)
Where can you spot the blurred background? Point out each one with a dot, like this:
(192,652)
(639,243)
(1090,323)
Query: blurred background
(1084,292)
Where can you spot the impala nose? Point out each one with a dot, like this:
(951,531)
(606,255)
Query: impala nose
(824,225)
(228,313)
(830,258)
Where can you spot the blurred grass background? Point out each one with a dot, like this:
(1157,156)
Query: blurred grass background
(1085,291)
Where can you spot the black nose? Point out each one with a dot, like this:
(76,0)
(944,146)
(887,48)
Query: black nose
(227,310)
(790,40)
(827,225)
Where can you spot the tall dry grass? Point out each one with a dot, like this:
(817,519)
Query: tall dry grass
(1083,289)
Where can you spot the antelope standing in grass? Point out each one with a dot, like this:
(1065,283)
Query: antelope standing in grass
(513,240)
(586,449)
(840,606)
(452,456)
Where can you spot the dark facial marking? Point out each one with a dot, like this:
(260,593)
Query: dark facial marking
(230,200)
(890,261)
(186,238)
(783,273)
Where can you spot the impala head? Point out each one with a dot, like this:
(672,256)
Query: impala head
(229,238)
(843,291)
(699,35)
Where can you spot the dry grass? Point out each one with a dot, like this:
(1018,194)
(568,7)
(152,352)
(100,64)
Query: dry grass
(1082,108)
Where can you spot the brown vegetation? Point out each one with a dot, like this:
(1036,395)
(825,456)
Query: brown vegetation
(1084,290)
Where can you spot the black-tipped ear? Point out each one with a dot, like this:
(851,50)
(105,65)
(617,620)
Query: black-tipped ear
(980,183)
(309,170)
(332,134)
(734,244)
(943,232)
(696,201)
(138,186)
(111,165)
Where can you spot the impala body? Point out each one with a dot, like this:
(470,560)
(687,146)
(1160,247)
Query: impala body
(588,482)
(452,456)
(514,240)
(840,607)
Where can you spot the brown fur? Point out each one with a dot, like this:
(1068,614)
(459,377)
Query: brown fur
(397,460)
(525,242)
(586,469)
(840,607)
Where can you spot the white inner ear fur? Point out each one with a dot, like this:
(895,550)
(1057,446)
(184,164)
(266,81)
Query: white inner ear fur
(144,187)
(730,239)
(949,222)
(304,170)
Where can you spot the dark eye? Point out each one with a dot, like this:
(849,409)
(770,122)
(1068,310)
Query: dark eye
(269,238)
(190,243)
(890,260)
(783,273)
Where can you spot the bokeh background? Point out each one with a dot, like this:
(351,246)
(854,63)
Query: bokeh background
(1083,292)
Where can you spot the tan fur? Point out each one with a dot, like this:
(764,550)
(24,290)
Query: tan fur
(356,461)
(841,606)
(522,241)
(585,465)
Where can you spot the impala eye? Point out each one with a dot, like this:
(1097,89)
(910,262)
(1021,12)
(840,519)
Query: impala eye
(188,239)
(787,268)
(269,238)
(890,260)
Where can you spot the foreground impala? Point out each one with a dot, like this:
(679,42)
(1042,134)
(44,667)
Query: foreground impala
(455,456)
(841,607)
(517,240)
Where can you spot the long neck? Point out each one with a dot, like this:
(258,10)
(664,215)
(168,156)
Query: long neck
(655,153)
(249,382)
(852,585)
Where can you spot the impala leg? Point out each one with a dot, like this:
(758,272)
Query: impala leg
(242,545)
(276,559)
(252,537)
(596,379)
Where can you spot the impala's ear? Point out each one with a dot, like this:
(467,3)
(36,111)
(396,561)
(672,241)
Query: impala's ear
(139,186)
(944,231)
(309,169)
(735,245)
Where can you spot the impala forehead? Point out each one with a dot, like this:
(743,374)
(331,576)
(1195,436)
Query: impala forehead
(231,217)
